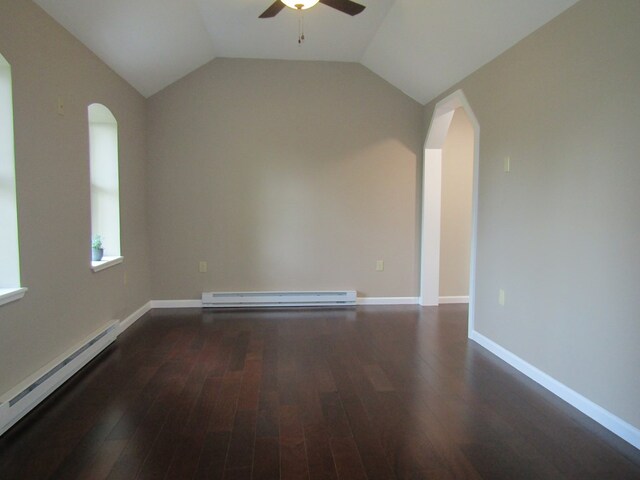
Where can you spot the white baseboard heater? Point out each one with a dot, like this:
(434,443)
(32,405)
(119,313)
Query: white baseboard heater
(278,299)
(27,395)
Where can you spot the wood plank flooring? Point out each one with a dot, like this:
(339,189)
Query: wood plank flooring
(366,393)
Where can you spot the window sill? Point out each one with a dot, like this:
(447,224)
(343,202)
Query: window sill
(8,295)
(106,262)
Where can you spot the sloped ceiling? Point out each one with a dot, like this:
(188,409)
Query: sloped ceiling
(420,46)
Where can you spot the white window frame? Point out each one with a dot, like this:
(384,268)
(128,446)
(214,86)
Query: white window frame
(10,289)
(105,185)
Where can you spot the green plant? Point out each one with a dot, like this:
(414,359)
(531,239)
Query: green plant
(97,242)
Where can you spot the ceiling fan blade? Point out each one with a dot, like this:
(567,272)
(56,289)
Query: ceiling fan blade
(275,8)
(345,6)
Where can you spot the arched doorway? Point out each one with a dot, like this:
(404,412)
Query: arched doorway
(432,199)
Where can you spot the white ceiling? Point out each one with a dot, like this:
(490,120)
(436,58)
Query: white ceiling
(420,46)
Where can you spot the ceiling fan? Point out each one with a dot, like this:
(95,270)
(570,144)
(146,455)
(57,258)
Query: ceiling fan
(345,6)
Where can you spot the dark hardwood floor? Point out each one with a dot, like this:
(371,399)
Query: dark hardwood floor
(372,392)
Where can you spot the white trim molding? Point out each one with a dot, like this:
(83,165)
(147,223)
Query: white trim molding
(454,299)
(608,420)
(131,319)
(105,263)
(8,295)
(176,303)
(387,301)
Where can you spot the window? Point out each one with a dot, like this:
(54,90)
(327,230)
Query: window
(105,191)
(9,249)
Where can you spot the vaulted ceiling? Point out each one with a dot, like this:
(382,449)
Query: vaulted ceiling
(420,46)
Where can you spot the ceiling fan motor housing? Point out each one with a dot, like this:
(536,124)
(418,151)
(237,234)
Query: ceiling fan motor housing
(345,6)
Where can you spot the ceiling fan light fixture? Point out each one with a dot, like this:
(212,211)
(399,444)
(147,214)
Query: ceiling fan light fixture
(295,4)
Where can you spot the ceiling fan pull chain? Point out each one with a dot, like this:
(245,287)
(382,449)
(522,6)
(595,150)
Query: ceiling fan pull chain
(300,27)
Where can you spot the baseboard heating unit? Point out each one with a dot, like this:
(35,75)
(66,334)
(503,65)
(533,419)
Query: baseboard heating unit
(22,399)
(278,299)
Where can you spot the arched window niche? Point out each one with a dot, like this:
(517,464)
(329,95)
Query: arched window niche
(105,189)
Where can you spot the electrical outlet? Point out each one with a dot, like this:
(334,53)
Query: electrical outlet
(379,265)
(501,297)
(507,164)
(202,268)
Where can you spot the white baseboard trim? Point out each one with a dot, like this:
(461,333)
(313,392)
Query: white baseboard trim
(176,303)
(359,301)
(386,300)
(131,319)
(455,299)
(624,430)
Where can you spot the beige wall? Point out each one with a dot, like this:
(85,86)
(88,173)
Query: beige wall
(560,232)
(283,175)
(457,185)
(65,301)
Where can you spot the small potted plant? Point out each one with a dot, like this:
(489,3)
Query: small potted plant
(96,249)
